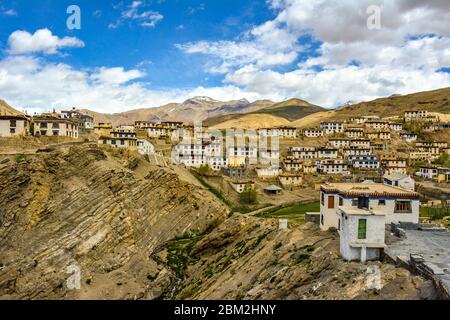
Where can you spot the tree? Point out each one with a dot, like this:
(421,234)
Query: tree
(249,195)
(204,170)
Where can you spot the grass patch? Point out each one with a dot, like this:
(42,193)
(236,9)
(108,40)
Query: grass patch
(294,213)
(179,254)
(435,213)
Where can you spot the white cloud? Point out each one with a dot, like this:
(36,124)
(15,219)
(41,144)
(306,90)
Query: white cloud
(10,12)
(352,62)
(147,18)
(115,75)
(36,85)
(21,42)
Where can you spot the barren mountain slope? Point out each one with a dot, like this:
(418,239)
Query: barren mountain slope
(253,121)
(7,110)
(198,108)
(82,207)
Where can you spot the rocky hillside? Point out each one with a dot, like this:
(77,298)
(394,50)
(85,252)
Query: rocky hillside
(249,258)
(82,207)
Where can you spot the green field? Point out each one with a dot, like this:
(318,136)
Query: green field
(295,213)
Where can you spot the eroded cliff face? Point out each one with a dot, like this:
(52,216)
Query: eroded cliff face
(81,208)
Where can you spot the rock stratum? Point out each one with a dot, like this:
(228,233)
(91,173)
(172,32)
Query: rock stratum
(80,207)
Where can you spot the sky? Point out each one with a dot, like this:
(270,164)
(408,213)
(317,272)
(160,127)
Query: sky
(129,54)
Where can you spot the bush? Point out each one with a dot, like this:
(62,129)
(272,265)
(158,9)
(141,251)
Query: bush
(249,195)
(204,170)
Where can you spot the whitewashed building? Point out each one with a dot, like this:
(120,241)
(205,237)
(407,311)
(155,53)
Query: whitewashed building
(398,205)
(327,153)
(12,126)
(145,147)
(313,133)
(416,114)
(269,132)
(360,143)
(288,132)
(361,234)
(332,127)
(335,166)
(292,165)
(408,137)
(53,126)
(303,153)
(400,180)
(290,179)
(364,162)
(240,185)
(339,142)
(268,172)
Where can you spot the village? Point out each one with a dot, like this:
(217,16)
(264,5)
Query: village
(358,177)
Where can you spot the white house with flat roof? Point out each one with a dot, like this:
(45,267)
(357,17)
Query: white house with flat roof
(362,234)
(399,205)
(400,180)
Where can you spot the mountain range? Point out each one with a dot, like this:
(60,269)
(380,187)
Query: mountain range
(265,113)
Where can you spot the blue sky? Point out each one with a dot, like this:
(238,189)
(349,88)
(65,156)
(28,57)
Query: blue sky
(131,54)
(131,45)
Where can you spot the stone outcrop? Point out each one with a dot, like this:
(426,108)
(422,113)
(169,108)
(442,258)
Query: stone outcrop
(80,208)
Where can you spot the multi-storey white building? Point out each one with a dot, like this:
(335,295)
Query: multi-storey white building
(416,114)
(287,132)
(327,153)
(360,143)
(335,166)
(408,137)
(354,133)
(378,125)
(313,133)
(332,127)
(355,151)
(303,153)
(269,132)
(292,165)
(53,126)
(11,126)
(396,126)
(339,142)
(365,162)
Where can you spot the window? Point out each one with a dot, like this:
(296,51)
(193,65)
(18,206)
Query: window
(12,123)
(113,141)
(362,229)
(12,130)
(55,133)
(403,206)
(381,202)
(341,201)
(354,202)
(122,142)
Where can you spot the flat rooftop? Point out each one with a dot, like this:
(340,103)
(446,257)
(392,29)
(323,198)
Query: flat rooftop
(362,212)
(369,189)
(433,246)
